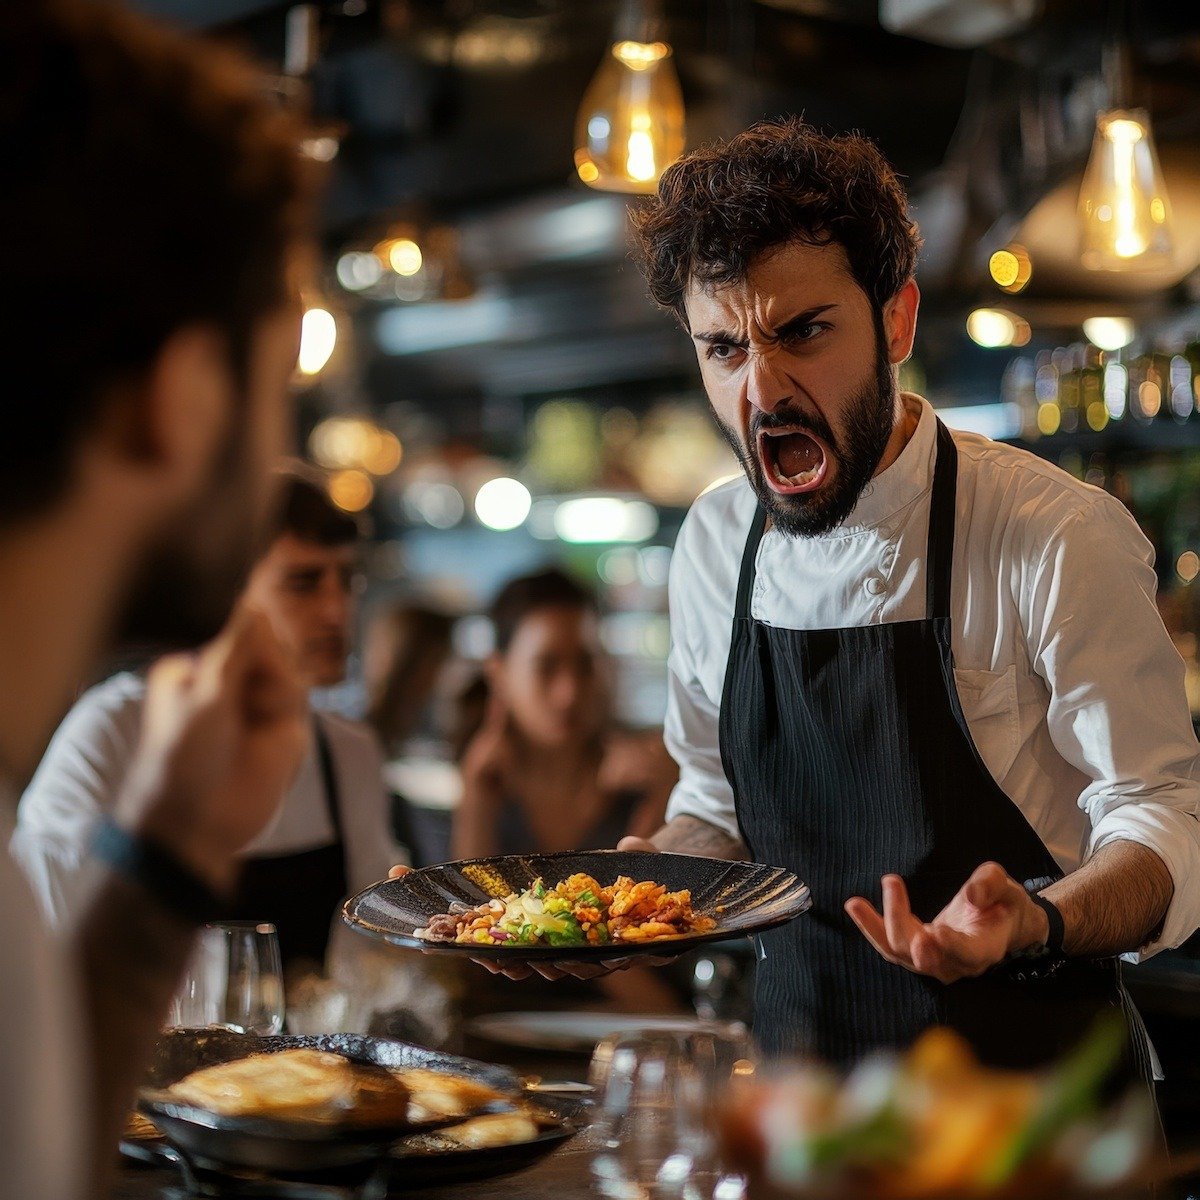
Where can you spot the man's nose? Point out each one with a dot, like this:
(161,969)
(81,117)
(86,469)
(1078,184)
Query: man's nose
(767,386)
(335,603)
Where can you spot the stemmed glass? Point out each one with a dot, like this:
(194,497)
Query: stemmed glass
(234,980)
(654,1096)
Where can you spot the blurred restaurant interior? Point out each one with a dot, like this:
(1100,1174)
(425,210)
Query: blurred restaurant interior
(491,392)
(489,385)
(492,387)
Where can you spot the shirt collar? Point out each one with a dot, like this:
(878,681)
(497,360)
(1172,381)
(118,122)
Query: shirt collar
(908,478)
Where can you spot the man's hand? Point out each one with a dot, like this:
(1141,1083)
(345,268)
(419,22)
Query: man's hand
(223,734)
(990,918)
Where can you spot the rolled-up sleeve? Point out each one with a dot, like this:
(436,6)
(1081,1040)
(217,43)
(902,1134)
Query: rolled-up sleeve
(1118,710)
(691,728)
(78,781)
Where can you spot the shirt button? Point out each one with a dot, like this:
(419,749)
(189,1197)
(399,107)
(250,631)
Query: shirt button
(876,586)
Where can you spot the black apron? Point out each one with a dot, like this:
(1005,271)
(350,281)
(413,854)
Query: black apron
(850,758)
(300,893)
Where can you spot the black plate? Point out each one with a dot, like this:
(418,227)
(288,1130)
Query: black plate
(213,1141)
(751,897)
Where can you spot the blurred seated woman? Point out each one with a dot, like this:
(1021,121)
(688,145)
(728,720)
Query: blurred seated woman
(405,651)
(545,769)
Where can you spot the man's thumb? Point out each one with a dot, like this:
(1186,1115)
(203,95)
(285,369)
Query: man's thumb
(636,843)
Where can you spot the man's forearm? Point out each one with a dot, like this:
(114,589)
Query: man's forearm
(132,954)
(690,835)
(1115,902)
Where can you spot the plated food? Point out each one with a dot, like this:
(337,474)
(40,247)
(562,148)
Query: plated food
(935,1123)
(579,911)
(298,1085)
(464,1119)
(642,910)
(442,1095)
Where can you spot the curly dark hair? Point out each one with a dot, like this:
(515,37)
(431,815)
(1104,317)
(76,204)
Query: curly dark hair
(154,185)
(724,205)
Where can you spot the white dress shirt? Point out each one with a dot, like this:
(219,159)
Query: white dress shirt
(1071,687)
(81,775)
(44,1064)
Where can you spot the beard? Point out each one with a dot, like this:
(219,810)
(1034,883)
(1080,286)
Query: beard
(870,419)
(188,581)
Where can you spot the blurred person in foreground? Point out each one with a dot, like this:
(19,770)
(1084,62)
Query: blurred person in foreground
(330,835)
(545,770)
(135,486)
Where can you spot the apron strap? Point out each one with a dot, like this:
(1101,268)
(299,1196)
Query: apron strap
(328,779)
(939,559)
(741,609)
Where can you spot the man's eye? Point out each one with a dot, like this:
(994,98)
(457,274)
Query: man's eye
(806,333)
(722,351)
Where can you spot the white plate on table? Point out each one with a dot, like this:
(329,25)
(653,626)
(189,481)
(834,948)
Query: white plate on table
(580,1031)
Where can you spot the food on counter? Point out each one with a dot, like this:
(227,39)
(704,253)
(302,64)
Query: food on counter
(139,1128)
(299,1085)
(576,912)
(434,1095)
(480,1133)
(936,1123)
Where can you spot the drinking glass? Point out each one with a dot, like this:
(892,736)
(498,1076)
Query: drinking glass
(234,980)
(655,1092)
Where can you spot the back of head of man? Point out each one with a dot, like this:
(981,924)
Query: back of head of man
(151,231)
(151,223)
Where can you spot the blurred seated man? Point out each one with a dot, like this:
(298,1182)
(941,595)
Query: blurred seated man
(546,769)
(329,837)
(147,381)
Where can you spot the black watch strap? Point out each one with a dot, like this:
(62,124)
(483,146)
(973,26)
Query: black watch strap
(142,861)
(1054,938)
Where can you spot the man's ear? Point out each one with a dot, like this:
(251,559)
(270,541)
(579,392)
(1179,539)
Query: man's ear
(900,322)
(176,416)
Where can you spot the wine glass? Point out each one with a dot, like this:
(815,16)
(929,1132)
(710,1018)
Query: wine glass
(655,1091)
(234,980)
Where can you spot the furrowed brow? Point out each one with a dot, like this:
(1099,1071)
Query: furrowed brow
(799,321)
(720,338)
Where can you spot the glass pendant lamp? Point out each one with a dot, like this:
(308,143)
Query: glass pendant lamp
(630,125)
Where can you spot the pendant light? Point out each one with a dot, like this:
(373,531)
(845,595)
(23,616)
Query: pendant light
(630,125)
(1124,214)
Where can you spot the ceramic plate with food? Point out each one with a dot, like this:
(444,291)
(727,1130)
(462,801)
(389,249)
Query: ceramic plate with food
(599,904)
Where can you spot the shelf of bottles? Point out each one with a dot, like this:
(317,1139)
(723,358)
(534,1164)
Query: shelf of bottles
(1081,389)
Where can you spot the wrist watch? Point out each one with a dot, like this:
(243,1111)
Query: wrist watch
(1039,961)
(1054,937)
(153,868)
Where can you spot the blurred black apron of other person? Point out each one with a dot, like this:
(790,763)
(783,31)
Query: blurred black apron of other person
(300,893)
(850,758)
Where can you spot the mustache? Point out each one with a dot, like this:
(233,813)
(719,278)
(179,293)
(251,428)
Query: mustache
(791,418)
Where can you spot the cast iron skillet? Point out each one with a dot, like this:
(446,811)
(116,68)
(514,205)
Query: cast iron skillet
(211,1141)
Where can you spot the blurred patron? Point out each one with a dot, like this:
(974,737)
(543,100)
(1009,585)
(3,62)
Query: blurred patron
(329,837)
(405,650)
(152,234)
(544,768)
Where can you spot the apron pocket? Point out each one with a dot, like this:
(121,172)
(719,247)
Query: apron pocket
(989,702)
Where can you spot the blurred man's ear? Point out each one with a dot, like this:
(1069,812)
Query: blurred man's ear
(172,421)
(900,321)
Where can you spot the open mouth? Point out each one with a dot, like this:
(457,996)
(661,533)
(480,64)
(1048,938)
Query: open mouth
(793,460)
